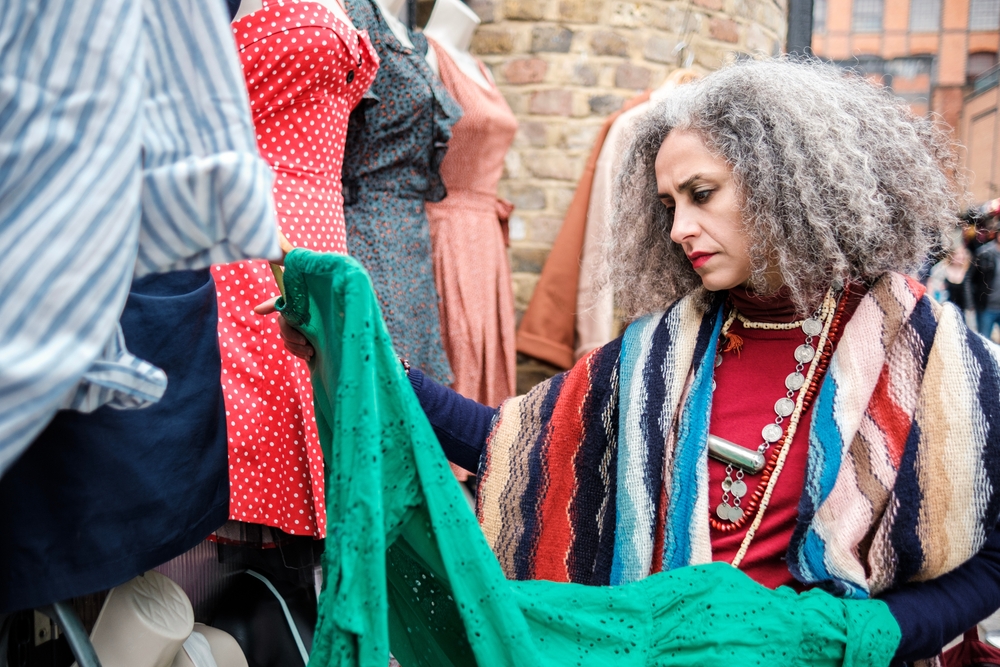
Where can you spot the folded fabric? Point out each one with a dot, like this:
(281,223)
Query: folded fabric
(407,567)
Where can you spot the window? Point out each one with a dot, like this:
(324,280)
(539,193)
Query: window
(868,15)
(979,63)
(819,16)
(984,15)
(925,15)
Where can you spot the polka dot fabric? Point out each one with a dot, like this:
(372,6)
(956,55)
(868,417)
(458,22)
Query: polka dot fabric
(305,71)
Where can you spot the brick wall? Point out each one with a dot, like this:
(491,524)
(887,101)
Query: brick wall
(564,65)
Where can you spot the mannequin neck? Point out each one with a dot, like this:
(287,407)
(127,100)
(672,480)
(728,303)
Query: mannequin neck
(250,6)
(452,25)
(390,7)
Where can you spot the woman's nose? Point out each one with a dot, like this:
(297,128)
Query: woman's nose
(685,226)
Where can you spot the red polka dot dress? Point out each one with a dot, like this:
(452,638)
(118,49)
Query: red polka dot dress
(305,71)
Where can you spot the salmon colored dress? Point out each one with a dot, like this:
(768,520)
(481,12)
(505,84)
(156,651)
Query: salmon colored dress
(305,71)
(470,257)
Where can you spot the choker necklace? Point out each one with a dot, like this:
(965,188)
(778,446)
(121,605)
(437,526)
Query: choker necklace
(741,461)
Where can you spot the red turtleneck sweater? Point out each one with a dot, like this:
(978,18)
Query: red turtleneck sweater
(747,386)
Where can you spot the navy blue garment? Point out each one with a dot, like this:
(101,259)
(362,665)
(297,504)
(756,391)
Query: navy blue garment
(930,614)
(99,498)
(460,424)
(234,8)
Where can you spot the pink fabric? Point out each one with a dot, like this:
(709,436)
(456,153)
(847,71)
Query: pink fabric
(470,259)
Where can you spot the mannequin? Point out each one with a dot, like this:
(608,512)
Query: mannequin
(452,25)
(143,623)
(276,471)
(250,6)
(467,227)
(149,622)
(212,646)
(391,169)
(390,12)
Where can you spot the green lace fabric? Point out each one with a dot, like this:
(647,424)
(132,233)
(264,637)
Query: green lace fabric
(406,567)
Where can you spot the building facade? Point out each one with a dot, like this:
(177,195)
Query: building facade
(927,51)
(979,129)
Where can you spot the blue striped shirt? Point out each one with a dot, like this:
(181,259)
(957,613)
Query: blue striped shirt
(126,148)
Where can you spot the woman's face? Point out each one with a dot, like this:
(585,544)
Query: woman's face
(698,188)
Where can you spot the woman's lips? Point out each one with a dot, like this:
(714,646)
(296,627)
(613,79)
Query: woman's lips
(698,259)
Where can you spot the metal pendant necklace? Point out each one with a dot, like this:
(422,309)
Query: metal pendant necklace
(741,461)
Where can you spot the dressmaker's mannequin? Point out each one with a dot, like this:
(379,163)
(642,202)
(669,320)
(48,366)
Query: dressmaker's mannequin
(335,6)
(390,12)
(452,25)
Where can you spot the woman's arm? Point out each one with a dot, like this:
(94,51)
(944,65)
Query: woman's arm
(461,424)
(932,613)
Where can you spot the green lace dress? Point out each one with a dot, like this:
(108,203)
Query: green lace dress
(406,567)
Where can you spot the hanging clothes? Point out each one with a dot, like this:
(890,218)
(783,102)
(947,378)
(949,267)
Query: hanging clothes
(114,165)
(305,71)
(595,325)
(100,498)
(595,316)
(547,328)
(411,570)
(391,167)
(470,257)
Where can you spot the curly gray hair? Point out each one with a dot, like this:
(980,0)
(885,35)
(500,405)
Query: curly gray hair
(837,179)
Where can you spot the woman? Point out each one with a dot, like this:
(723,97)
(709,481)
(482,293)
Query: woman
(786,399)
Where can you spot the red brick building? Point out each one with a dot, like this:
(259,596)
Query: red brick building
(979,130)
(928,51)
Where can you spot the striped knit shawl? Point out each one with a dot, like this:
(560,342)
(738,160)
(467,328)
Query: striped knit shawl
(600,475)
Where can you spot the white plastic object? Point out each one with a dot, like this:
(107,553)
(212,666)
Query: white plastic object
(143,623)
(222,649)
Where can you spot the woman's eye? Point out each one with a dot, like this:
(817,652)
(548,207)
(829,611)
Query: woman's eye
(702,196)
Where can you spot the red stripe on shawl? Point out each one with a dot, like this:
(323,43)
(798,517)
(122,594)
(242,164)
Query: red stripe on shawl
(916,288)
(660,532)
(555,535)
(890,418)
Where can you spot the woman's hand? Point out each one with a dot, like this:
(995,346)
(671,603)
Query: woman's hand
(295,341)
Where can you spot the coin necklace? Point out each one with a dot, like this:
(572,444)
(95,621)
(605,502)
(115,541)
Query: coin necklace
(740,460)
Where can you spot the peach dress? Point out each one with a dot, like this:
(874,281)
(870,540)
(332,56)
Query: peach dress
(470,258)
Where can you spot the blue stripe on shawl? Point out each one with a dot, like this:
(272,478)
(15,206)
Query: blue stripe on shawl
(806,554)
(654,431)
(692,442)
(626,551)
(806,551)
(531,499)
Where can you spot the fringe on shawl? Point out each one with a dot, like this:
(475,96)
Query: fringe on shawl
(903,469)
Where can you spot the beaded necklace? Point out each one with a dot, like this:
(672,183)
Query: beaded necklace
(828,316)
